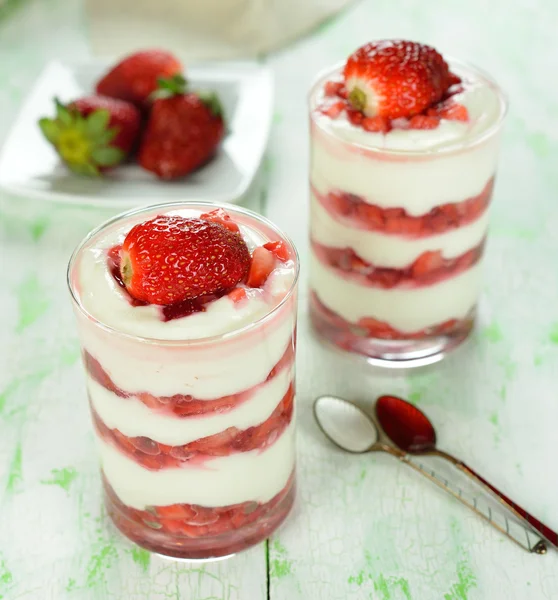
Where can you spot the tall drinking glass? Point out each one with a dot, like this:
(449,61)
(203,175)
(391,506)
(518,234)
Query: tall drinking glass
(195,431)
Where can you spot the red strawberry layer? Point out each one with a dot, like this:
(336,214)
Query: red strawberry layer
(184,405)
(373,328)
(354,211)
(155,456)
(429,268)
(195,521)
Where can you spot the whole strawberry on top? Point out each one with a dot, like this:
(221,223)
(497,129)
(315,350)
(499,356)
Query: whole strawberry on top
(170,259)
(92,134)
(135,77)
(395,78)
(183,131)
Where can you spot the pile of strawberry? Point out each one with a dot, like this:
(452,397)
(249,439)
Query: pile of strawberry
(182,263)
(142,109)
(394,84)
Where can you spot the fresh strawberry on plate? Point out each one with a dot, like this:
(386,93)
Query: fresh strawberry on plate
(93,133)
(136,77)
(183,131)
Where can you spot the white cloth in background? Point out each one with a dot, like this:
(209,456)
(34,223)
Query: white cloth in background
(203,29)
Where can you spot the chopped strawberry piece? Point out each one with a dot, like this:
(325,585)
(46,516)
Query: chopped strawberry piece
(355,116)
(278,248)
(376,124)
(468,259)
(215,445)
(427,263)
(334,110)
(146,445)
(453,79)
(124,442)
(387,278)
(263,263)
(113,255)
(424,122)
(454,112)
(377,328)
(409,225)
(220,216)
(339,203)
(149,400)
(172,525)
(175,511)
(202,516)
(332,88)
(237,295)
(373,215)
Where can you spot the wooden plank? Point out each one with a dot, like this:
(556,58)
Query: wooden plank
(366,527)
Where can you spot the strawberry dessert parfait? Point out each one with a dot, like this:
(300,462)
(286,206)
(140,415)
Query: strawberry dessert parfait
(187,319)
(404,147)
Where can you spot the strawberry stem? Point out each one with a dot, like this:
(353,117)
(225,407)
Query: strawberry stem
(211,100)
(172,86)
(126,269)
(357,99)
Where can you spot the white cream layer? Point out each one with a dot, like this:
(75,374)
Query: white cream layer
(415,185)
(132,418)
(392,251)
(408,310)
(227,480)
(205,375)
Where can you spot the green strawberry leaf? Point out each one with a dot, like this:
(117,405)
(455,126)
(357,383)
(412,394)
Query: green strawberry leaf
(63,114)
(108,156)
(84,169)
(169,86)
(80,124)
(50,129)
(105,138)
(97,122)
(211,100)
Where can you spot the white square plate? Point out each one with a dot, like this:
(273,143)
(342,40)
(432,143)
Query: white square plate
(29,166)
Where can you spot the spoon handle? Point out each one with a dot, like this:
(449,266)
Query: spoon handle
(549,535)
(518,532)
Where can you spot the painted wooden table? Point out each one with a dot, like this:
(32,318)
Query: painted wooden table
(364,526)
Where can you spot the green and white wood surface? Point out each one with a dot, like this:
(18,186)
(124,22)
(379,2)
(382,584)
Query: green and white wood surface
(364,527)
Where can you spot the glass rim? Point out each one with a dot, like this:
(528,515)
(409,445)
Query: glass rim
(451,148)
(181,342)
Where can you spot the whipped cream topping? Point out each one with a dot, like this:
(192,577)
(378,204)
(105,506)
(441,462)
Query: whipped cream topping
(104,299)
(480,96)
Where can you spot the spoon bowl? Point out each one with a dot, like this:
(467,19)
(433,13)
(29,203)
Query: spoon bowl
(405,425)
(345,424)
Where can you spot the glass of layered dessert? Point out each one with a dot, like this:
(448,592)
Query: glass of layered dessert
(404,147)
(187,317)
